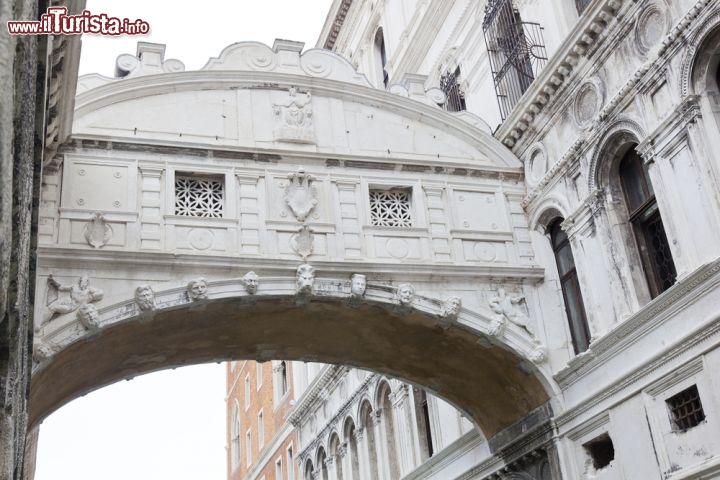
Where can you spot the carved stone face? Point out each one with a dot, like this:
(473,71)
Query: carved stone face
(197,289)
(88,315)
(84,282)
(358,283)
(251,281)
(145,297)
(451,308)
(405,293)
(305,278)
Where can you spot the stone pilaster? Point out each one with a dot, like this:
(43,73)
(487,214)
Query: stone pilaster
(349,219)
(151,208)
(437,220)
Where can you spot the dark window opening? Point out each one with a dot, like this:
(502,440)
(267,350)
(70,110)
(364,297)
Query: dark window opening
(422,413)
(516,50)
(601,451)
(450,85)
(574,306)
(381,55)
(644,215)
(686,410)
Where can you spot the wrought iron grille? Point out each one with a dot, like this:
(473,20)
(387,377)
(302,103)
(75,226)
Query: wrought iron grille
(686,410)
(581,5)
(450,85)
(516,50)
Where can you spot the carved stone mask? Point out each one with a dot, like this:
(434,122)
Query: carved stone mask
(405,294)
(251,281)
(197,289)
(88,315)
(145,297)
(305,278)
(358,283)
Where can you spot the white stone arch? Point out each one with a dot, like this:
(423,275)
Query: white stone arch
(697,38)
(552,206)
(624,130)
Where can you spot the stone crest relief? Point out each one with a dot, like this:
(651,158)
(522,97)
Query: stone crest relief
(293,118)
(97,231)
(303,242)
(300,197)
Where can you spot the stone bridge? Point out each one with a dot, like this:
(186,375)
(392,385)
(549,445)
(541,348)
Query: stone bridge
(275,205)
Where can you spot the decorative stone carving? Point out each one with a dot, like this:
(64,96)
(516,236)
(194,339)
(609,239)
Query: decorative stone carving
(293,118)
(538,354)
(497,326)
(145,298)
(507,306)
(300,197)
(587,103)
(78,295)
(358,285)
(303,242)
(450,311)
(251,282)
(404,295)
(42,351)
(305,278)
(197,289)
(88,316)
(150,60)
(650,27)
(97,231)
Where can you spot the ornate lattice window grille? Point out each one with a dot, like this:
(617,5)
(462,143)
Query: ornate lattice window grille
(199,196)
(516,50)
(686,410)
(390,208)
(455,97)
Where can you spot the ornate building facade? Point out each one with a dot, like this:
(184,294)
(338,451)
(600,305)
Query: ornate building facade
(512,206)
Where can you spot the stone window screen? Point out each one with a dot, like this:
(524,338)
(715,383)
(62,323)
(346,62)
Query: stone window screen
(686,410)
(197,196)
(390,208)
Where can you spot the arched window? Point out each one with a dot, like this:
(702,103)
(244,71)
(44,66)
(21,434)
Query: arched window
(308,470)
(235,437)
(389,424)
(367,421)
(335,454)
(570,286)
(283,378)
(321,465)
(644,216)
(380,57)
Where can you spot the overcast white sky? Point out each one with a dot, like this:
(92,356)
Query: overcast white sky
(167,425)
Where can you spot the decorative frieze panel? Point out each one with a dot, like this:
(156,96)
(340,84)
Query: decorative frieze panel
(83,193)
(479,211)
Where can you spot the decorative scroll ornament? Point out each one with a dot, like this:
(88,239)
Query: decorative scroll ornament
(303,242)
(97,231)
(299,196)
(293,118)
(197,289)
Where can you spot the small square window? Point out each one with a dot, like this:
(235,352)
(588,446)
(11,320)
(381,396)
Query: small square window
(686,410)
(601,451)
(199,196)
(390,208)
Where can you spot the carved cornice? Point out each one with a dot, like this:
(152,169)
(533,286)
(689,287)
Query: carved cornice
(333,23)
(313,394)
(650,317)
(671,129)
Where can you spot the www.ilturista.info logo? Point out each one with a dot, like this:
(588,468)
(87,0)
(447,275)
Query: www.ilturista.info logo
(57,22)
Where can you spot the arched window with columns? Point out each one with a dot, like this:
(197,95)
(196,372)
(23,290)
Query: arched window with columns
(570,286)
(647,225)
(322,467)
(308,474)
(335,450)
(352,450)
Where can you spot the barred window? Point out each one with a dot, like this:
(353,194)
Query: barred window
(199,196)
(390,208)
(686,410)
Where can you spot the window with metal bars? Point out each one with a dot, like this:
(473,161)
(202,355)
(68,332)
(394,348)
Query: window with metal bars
(686,410)
(450,85)
(516,50)
(199,196)
(644,215)
(390,208)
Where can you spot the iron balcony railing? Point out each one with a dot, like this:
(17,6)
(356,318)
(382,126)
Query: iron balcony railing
(450,85)
(516,50)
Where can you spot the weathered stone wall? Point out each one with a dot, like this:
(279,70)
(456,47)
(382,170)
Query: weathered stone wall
(22,81)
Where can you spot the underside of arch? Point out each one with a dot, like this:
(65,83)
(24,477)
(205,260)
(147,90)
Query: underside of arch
(490,383)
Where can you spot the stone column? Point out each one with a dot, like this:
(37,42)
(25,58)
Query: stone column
(330,463)
(363,458)
(403,429)
(381,446)
(346,462)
